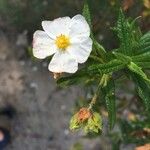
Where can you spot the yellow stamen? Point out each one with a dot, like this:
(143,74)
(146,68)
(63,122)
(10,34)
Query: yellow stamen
(62,42)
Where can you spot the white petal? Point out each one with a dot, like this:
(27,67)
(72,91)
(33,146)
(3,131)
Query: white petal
(79,28)
(81,51)
(43,45)
(57,27)
(63,62)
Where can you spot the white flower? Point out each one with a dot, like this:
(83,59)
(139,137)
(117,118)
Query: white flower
(68,39)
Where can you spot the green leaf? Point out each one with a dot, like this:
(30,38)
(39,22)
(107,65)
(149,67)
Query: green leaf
(110,102)
(86,13)
(105,78)
(91,71)
(142,57)
(144,65)
(143,90)
(94,123)
(144,45)
(136,31)
(124,34)
(109,67)
(132,132)
(133,23)
(76,78)
(100,49)
(138,70)
(74,125)
(122,57)
(88,72)
(142,60)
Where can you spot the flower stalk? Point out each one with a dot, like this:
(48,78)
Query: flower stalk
(94,99)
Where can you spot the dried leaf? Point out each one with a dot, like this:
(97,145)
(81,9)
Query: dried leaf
(147,3)
(145,147)
(127,4)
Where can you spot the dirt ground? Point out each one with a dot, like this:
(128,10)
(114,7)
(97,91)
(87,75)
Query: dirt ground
(43,109)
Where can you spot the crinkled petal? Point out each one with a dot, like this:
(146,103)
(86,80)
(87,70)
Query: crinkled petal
(79,28)
(43,45)
(63,62)
(57,27)
(81,51)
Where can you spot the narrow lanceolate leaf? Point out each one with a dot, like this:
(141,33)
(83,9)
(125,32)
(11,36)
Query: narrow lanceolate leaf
(124,34)
(100,49)
(91,71)
(86,13)
(110,102)
(76,78)
(94,123)
(144,65)
(142,60)
(143,90)
(74,125)
(142,57)
(138,70)
(122,57)
(109,67)
(144,45)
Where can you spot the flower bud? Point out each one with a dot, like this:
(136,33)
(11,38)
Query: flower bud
(83,114)
(87,120)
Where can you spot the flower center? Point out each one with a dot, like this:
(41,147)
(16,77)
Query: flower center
(62,42)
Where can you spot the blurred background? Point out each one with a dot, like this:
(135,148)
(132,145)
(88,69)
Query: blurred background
(43,110)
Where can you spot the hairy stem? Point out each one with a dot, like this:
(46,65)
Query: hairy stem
(93,101)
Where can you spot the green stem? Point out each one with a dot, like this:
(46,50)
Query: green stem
(93,101)
(96,58)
